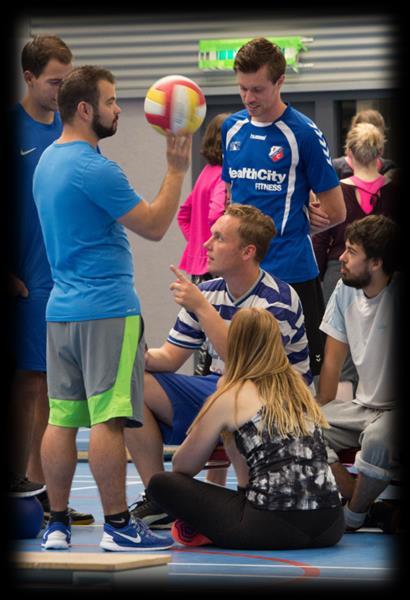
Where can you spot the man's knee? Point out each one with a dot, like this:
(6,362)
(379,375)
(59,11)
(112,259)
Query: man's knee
(156,399)
(377,449)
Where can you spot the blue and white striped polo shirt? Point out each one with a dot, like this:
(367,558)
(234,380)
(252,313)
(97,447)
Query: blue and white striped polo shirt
(273,166)
(268,292)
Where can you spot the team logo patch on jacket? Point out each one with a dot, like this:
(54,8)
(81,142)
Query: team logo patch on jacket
(235,146)
(276,153)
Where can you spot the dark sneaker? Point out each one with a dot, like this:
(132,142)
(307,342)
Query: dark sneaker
(76,517)
(24,488)
(386,515)
(136,536)
(57,536)
(352,529)
(151,513)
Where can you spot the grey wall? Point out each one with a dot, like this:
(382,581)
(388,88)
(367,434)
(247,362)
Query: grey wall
(140,151)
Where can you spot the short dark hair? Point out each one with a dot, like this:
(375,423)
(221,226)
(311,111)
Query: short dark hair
(81,85)
(38,52)
(255,227)
(211,145)
(379,237)
(259,52)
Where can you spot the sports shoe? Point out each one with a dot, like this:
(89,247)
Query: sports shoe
(151,513)
(57,536)
(24,488)
(187,535)
(386,515)
(352,529)
(136,536)
(76,517)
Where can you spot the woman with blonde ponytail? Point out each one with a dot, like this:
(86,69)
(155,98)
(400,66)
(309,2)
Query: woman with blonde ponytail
(272,430)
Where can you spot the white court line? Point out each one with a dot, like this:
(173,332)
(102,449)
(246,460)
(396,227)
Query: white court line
(93,487)
(316,579)
(276,566)
(85,478)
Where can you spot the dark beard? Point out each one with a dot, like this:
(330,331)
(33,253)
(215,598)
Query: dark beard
(100,130)
(358,282)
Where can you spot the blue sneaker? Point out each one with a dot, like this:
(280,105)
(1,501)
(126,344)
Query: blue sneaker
(135,536)
(57,536)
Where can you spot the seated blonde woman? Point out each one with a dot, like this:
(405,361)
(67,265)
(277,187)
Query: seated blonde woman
(272,430)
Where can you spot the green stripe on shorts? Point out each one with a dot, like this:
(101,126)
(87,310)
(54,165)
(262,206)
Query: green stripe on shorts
(68,413)
(113,402)
(116,402)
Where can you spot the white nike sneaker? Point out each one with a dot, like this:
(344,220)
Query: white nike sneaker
(136,536)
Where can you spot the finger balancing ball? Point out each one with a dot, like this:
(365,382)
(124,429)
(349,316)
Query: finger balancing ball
(175,104)
(27,518)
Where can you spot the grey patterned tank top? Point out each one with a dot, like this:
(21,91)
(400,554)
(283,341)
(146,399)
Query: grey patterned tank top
(286,473)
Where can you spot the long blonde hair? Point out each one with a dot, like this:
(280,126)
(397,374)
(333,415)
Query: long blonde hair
(255,353)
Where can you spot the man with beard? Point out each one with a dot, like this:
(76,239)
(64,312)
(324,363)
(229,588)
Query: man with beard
(95,342)
(361,316)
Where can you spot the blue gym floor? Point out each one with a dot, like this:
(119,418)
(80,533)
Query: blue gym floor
(363,560)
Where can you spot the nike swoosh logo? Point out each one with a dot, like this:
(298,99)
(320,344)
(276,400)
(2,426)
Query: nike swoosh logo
(24,152)
(118,521)
(136,539)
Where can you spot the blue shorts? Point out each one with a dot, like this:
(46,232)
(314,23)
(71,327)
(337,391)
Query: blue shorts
(187,394)
(29,333)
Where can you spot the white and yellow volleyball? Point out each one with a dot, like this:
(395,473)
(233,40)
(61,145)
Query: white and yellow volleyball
(175,104)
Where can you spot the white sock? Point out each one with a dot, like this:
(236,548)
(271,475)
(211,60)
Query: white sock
(353,519)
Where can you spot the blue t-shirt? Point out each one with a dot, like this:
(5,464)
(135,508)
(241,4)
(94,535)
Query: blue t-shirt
(29,256)
(273,167)
(79,195)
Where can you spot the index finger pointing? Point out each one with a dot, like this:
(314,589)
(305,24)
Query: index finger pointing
(178,273)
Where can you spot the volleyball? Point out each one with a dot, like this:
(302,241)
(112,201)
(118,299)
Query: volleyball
(176,104)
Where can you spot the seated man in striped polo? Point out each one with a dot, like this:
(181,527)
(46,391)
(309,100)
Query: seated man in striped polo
(239,241)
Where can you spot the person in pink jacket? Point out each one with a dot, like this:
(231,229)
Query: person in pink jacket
(204,204)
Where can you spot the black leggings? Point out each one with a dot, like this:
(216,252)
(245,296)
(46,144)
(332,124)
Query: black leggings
(228,519)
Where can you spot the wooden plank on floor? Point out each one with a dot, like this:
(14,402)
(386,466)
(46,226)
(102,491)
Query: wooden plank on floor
(88,561)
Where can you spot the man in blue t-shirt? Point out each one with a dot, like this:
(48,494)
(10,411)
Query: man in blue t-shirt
(273,157)
(95,342)
(35,124)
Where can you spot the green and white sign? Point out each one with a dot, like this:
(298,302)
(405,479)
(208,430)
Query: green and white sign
(220,54)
